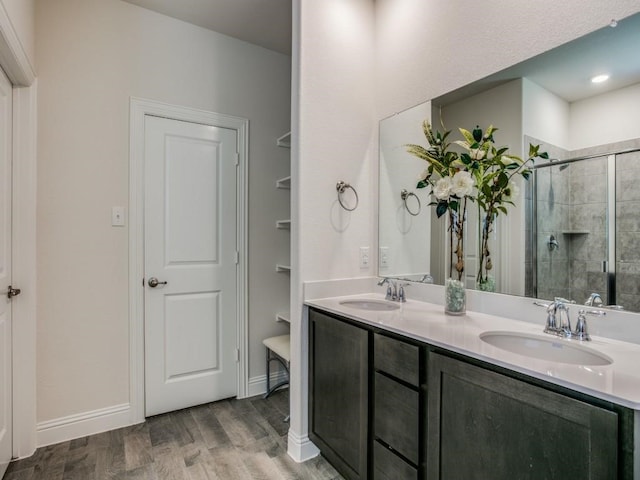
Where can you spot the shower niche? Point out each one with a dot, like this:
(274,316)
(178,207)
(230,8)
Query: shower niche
(583,227)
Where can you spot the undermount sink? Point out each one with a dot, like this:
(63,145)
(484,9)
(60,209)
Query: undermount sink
(551,349)
(369,304)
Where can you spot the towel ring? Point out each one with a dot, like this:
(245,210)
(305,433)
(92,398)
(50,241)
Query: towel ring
(404,194)
(341,187)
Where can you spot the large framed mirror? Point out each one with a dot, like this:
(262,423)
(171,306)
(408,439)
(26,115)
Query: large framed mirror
(575,226)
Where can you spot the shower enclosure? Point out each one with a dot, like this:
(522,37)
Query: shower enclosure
(583,226)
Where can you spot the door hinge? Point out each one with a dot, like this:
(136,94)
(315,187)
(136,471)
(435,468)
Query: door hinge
(237,355)
(237,159)
(237,257)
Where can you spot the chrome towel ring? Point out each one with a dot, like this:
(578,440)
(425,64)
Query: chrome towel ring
(404,194)
(341,187)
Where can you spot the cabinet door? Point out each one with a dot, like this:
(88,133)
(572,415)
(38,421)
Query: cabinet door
(484,425)
(338,388)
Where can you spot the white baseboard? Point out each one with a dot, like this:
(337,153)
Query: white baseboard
(83,424)
(300,448)
(258,385)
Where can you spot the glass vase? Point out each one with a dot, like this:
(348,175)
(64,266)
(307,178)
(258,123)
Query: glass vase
(455,297)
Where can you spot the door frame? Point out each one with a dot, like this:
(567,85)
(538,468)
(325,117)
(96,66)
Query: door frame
(139,108)
(17,66)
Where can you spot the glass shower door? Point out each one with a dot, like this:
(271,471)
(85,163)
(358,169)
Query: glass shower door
(571,215)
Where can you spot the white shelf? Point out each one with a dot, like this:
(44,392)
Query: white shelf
(283,268)
(284,140)
(283,224)
(283,317)
(284,183)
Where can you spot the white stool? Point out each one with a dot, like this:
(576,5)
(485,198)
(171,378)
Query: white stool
(278,349)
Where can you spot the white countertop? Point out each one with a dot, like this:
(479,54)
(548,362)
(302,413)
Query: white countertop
(426,322)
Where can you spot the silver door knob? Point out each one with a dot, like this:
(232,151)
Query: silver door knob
(153,282)
(13,292)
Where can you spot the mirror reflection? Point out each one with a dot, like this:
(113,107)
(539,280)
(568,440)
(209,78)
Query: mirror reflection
(575,229)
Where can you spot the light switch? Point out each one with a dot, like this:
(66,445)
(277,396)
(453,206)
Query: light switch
(117,216)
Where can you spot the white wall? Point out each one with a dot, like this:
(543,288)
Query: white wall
(93,55)
(335,138)
(546,116)
(607,118)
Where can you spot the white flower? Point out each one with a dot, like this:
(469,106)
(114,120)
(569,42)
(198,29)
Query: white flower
(443,187)
(462,184)
(477,153)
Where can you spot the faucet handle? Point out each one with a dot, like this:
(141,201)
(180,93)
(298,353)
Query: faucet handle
(581,332)
(402,296)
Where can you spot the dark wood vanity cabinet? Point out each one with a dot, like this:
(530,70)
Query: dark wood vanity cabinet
(483,424)
(384,408)
(339,393)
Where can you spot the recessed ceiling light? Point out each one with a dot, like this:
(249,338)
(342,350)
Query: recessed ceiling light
(600,78)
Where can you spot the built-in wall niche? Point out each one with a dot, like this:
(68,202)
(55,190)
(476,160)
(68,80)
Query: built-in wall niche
(539,99)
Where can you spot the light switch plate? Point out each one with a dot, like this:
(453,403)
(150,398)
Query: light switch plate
(117,217)
(384,257)
(364,257)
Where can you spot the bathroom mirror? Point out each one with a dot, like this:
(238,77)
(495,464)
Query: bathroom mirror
(546,100)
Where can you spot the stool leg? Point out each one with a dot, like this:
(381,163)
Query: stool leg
(268,375)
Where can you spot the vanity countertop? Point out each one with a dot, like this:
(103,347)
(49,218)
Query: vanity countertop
(426,322)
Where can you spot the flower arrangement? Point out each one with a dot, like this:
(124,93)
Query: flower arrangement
(495,171)
(482,173)
(451,184)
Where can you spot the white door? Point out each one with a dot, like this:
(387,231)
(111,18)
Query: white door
(190,243)
(6,411)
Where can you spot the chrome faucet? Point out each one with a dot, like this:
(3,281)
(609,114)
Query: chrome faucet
(594,300)
(558,321)
(395,291)
(392,288)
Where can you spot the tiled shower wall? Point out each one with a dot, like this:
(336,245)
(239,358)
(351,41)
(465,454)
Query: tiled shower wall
(571,204)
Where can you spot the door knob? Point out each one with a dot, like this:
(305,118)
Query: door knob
(153,282)
(12,292)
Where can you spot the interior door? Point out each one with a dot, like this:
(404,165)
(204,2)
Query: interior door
(6,411)
(190,264)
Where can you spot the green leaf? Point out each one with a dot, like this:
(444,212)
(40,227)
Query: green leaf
(441,209)
(468,136)
(422,184)
(466,158)
(477,134)
(503,180)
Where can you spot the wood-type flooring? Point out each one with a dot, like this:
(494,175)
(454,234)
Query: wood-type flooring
(226,440)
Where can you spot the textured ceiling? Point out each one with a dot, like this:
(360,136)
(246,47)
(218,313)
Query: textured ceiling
(262,22)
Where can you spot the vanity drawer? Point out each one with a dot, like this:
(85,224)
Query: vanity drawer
(388,466)
(397,358)
(396,412)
